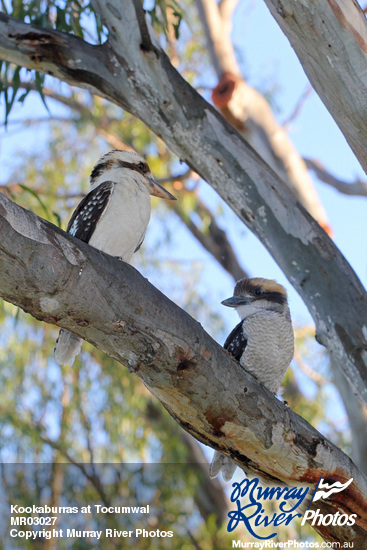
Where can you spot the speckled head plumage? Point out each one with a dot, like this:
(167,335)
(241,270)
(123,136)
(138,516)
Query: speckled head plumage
(255,294)
(260,288)
(118,165)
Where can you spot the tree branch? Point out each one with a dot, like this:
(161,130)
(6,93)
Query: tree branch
(149,87)
(216,21)
(330,40)
(356,188)
(209,496)
(297,109)
(248,111)
(52,276)
(357,415)
(214,239)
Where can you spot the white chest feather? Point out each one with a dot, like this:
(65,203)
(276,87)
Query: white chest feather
(124,222)
(246,310)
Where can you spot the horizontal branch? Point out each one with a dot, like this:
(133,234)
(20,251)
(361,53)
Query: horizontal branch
(53,276)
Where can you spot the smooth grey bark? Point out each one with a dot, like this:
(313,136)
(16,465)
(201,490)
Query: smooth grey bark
(357,415)
(275,147)
(132,71)
(52,276)
(330,40)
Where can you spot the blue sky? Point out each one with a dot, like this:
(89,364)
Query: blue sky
(268,59)
(314,132)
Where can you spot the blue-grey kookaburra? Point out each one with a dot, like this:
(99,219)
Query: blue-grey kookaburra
(263,342)
(112,217)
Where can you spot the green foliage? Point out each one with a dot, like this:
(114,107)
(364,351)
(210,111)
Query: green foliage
(14,79)
(70,16)
(94,413)
(9,86)
(75,17)
(159,17)
(97,411)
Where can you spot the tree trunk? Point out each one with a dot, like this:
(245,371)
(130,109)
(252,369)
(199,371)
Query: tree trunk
(52,276)
(330,40)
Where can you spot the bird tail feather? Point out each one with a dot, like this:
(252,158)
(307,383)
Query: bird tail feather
(67,347)
(224,464)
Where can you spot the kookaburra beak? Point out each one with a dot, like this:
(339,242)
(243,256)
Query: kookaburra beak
(235,301)
(159,191)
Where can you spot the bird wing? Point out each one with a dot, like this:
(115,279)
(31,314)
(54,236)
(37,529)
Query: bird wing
(236,342)
(140,242)
(89,211)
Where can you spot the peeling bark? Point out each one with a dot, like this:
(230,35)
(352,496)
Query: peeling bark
(52,276)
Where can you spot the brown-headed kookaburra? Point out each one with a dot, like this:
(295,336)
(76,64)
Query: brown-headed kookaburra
(262,342)
(113,217)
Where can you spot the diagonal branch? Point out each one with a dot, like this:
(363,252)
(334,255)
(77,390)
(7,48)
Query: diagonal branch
(209,494)
(330,40)
(214,239)
(146,42)
(46,49)
(298,107)
(52,275)
(59,446)
(356,188)
(150,88)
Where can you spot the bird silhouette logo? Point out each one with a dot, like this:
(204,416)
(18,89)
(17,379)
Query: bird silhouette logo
(325,490)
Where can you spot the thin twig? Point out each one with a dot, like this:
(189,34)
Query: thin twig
(356,188)
(146,42)
(300,103)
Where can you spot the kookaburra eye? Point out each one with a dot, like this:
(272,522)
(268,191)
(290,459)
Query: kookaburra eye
(259,292)
(142,167)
